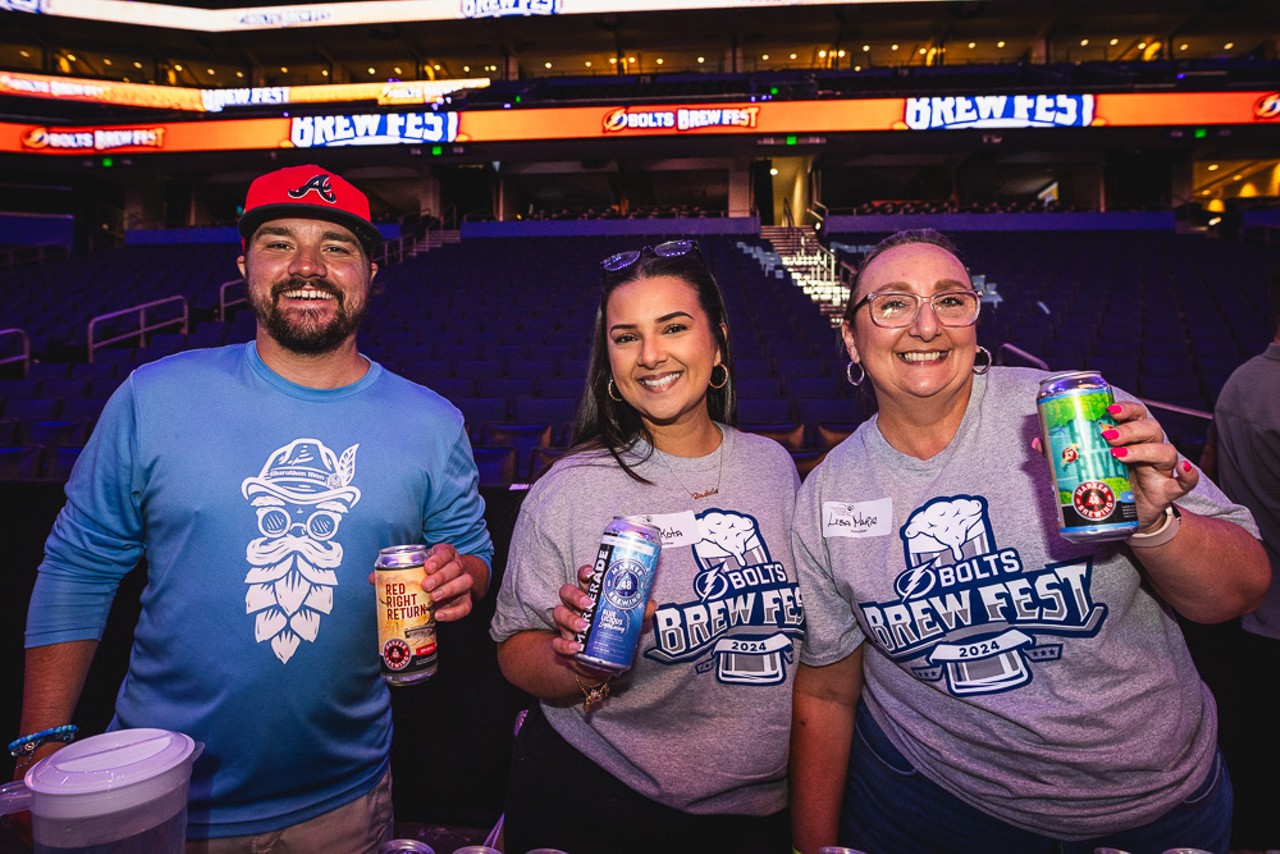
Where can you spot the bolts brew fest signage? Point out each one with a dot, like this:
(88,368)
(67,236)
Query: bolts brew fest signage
(96,139)
(764,121)
(680,120)
(999,111)
(389,93)
(373,129)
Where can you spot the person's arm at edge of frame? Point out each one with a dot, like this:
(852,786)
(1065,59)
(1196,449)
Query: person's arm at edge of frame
(53,677)
(1212,570)
(822,711)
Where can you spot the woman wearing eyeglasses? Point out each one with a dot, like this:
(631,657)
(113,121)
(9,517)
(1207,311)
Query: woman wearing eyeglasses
(971,681)
(687,751)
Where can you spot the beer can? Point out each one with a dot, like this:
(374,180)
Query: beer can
(406,615)
(619,590)
(405,846)
(1094,489)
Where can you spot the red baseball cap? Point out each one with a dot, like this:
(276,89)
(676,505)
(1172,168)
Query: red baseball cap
(309,192)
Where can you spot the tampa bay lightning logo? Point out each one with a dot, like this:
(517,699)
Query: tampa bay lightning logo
(915,582)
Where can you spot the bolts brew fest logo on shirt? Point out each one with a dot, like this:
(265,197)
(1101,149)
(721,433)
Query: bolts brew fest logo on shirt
(970,612)
(747,613)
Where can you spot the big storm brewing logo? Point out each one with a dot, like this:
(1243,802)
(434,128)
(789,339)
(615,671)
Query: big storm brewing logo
(301,496)
(747,612)
(970,611)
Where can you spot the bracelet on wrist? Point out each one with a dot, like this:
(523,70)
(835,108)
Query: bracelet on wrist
(1167,531)
(593,695)
(26,745)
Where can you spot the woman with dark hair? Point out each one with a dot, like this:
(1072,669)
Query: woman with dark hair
(688,749)
(971,680)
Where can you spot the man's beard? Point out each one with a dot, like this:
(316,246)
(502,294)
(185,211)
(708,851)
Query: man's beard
(297,331)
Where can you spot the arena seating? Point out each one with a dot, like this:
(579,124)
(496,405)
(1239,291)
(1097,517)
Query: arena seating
(505,334)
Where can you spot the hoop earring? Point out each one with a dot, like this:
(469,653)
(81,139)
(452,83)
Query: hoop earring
(848,373)
(987,366)
(724,382)
(612,392)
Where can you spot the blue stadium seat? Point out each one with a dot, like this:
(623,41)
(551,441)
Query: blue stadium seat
(497,465)
(21,462)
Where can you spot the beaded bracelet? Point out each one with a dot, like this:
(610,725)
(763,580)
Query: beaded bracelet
(27,744)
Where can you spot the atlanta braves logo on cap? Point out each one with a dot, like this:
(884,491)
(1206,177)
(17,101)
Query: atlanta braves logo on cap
(313,192)
(318,184)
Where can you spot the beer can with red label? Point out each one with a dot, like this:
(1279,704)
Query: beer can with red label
(406,615)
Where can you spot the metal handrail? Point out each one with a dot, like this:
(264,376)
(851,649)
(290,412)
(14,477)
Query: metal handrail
(223,302)
(397,249)
(25,356)
(1156,404)
(1020,353)
(13,257)
(143,327)
(1181,410)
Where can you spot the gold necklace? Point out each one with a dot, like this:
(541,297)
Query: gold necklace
(706,493)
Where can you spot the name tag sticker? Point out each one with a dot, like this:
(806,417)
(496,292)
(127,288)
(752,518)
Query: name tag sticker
(678,529)
(858,518)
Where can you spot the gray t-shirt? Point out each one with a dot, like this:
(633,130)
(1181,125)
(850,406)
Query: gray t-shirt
(1247,423)
(1037,679)
(700,723)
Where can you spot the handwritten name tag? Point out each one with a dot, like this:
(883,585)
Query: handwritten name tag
(678,529)
(857,519)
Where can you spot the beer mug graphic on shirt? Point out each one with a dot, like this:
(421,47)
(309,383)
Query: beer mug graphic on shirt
(945,534)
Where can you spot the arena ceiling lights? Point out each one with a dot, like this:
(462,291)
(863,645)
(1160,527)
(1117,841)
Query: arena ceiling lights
(177,17)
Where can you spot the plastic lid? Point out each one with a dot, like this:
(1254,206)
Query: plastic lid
(110,772)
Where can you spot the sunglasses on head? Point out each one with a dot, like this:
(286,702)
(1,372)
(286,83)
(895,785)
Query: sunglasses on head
(671,249)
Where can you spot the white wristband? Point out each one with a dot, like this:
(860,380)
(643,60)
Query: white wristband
(1167,531)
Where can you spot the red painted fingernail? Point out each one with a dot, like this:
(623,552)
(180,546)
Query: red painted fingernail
(1186,466)
(1110,434)
(1119,452)
(1114,409)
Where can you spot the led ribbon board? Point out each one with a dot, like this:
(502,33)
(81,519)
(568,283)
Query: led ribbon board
(765,120)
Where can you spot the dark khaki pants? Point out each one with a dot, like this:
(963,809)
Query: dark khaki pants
(359,826)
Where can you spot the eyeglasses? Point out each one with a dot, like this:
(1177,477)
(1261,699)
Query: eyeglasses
(671,249)
(320,525)
(898,309)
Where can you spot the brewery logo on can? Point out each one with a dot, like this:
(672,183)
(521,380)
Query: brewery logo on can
(619,589)
(1095,492)
(406,615)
